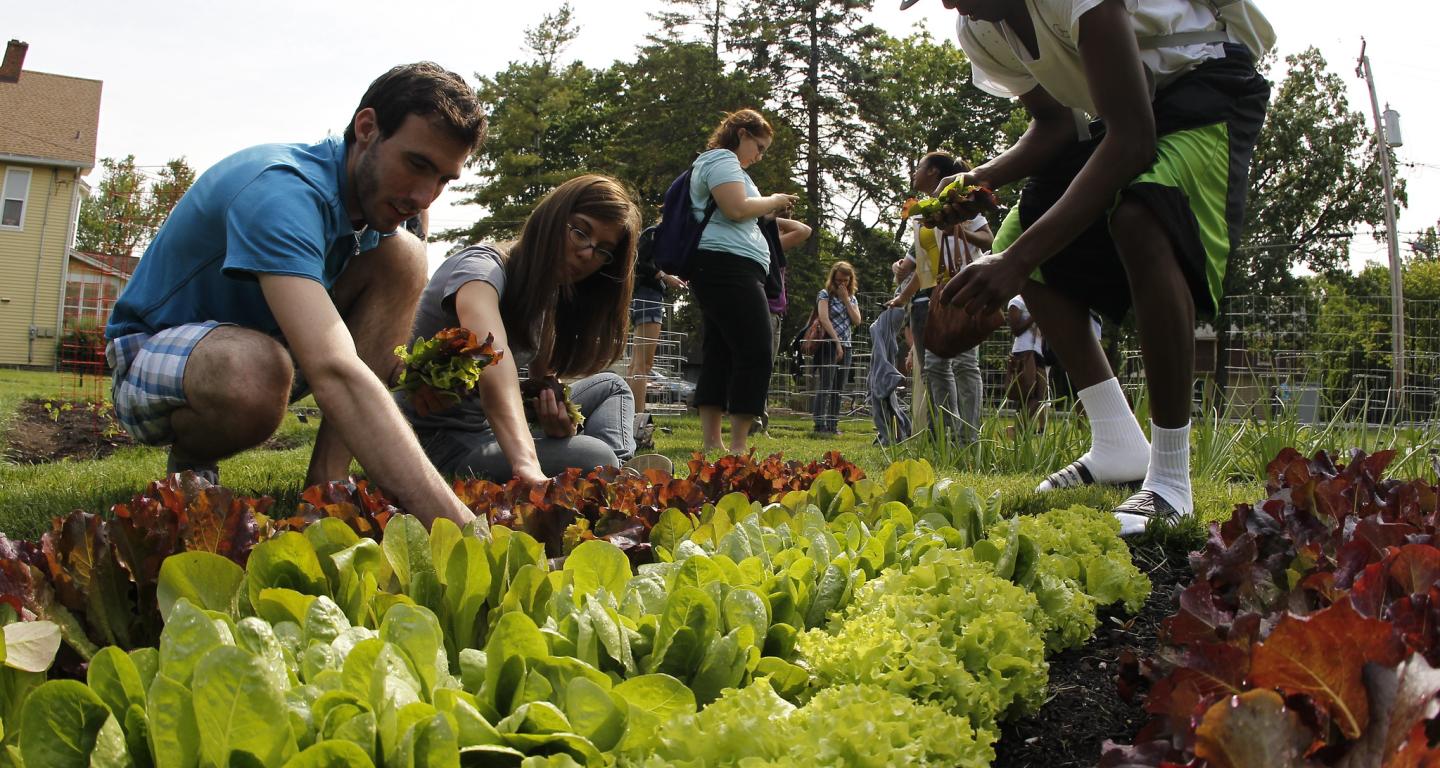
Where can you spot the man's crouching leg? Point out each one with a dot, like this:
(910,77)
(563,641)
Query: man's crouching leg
(237,384)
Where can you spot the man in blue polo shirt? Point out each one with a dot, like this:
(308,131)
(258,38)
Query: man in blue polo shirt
(285,270)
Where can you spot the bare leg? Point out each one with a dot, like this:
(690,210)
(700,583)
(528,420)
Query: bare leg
(710,437)
(1165,315)
(1066,325)
(1164,312)
(1119,452)
(642,360)
(376,295)
(237,382)
(739,431)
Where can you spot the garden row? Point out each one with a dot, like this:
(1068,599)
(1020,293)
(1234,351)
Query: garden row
(766,612)
(1309,636)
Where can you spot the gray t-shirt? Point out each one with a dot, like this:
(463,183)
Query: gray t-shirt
(437,312)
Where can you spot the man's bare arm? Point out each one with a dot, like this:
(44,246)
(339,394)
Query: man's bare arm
(354,401)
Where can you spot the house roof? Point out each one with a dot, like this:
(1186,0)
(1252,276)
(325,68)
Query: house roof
(50,117)
(123,266)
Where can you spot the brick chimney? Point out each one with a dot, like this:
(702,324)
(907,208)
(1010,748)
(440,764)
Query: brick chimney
(14,59)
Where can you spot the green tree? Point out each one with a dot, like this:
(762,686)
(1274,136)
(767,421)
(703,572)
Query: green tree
(126,208)
(918,97)
(690,21)
(1315,180)
(544,128)
(812,52)
(672,100)
(1425,246)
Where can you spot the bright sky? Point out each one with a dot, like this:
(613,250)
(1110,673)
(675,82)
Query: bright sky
(203,79)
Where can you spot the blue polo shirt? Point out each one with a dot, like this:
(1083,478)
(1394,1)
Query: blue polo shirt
(272,209)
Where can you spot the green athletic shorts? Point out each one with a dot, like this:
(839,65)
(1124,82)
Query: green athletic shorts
(1207,124)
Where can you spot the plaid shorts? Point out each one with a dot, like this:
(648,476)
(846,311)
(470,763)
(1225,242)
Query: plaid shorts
(149,379)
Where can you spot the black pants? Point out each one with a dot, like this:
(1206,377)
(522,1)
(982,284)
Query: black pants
(730,291)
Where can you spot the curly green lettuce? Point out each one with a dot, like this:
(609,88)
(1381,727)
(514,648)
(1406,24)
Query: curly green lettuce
(949,632)
(450,362)
(848,725)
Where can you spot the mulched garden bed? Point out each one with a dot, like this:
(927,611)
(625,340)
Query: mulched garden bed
(1085,706)
(65,430)
(41,435)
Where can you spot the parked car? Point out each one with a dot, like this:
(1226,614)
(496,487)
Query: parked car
(664,389)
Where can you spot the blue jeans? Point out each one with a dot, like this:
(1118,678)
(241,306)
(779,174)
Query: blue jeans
(607,439)
(831,374)
(954,399)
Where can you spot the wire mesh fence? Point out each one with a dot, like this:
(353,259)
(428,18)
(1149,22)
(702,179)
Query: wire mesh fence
(1328,358)
(1322,359)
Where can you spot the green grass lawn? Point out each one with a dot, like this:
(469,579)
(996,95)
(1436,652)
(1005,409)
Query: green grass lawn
(31,495)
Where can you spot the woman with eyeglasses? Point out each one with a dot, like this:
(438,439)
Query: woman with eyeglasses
(728,278)
(837,311)
(557,301)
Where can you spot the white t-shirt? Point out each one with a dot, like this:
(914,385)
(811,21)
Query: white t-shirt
(1029,341)
(1001,65)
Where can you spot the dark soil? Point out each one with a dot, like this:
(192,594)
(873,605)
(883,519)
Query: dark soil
(1085,706)
(66,430)
(75,430)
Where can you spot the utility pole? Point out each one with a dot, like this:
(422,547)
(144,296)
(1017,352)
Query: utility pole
(1397,289)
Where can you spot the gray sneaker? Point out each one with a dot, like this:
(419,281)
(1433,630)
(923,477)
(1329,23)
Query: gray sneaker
(210,472)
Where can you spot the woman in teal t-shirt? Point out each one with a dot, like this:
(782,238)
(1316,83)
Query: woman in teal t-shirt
(728,278)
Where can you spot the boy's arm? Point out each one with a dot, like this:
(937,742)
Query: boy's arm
(1051,130)
(354,401)
(792,232)
(1122,95)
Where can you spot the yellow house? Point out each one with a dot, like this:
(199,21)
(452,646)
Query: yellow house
(48,126)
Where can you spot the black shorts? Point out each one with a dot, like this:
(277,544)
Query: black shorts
(1207,124)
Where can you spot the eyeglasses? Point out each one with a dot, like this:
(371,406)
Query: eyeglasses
(581,240)
(761,145)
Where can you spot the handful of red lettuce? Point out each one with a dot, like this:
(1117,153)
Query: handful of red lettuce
(450,363)
(967,200)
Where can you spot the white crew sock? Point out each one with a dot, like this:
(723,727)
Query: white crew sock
(1169,473)
(1118,451)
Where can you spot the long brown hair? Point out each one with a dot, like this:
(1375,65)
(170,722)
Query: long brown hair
(727,133)
(579,329)
(842,267)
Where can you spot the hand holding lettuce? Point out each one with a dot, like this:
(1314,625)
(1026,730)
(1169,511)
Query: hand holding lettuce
(438,371)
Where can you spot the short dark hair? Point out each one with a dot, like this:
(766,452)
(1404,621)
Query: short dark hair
(944,163)
(424,89)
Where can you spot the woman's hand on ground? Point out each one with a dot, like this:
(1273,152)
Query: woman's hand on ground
(553,417)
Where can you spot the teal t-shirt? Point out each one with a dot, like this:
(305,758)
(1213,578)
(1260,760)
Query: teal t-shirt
(742,238)
(271,209)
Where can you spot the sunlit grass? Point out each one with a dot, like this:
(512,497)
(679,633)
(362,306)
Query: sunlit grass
(1227,460)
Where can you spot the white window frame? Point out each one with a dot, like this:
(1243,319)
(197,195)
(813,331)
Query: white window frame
(9,192)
